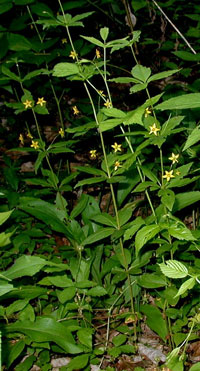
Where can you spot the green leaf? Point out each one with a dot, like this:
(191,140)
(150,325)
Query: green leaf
(162,75)
(174,269)
(5,288)
(10,74)
(46,329)
(167,198)
(185,101)
(90,170)
(183,200)
(18,42)
(99,235)
(105,219)
(181,232)
(65,69)
(5,7)
(186,56)
(4,216)
(85,337)
(104,33)
(151,281)
(110,124)
(138,87)
(195,367)
(97,291)
(119,340)
(66,294)
(135,225)
(141,73)
(187,285)
(60,281)
(114,112)
(78,362)
(155,320)
(144,235)
(25,266)
(193,138)
(170,124)
(123,80)
(14,352)
(93,40)
(88,181)
(80,206)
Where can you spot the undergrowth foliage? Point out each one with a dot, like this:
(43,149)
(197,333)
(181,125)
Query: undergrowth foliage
(101,234)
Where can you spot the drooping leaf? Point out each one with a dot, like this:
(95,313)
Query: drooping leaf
(187,285)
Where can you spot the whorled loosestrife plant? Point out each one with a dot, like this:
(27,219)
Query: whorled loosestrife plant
(134,239)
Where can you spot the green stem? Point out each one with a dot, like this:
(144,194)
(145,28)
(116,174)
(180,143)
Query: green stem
(37,125)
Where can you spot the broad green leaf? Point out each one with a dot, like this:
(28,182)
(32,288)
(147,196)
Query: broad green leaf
(167,198)
(4,216)
(162,75)
(195,367)
(14,351)
(46,329)
(16,306)
(155,320)
(18,42)
(97,291)
(151,281)
(65,69)
(85,337)
(110,124)
(141,73)
(124,215)
(25,266)
(66,294)
(137,87)
(183,200)
(5,288)
(105,219)
(185,101)
(187,285)
(78,362)
(181,232)
(186,56)
(174,269)
(144,235)
(193,138)
(114,112)
(119,340)
(99,235)
(93,40)
(104,33)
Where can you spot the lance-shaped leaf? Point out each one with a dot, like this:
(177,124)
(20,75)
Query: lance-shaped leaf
(193,138)
(174,269)
(185,101)
(187,285)
(99,235)
(144,235)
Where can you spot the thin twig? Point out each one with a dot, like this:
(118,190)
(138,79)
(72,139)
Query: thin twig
(173,25)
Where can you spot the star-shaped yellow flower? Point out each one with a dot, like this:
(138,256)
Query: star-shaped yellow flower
(64,41)
(174,158)
(93,153)
(75,110)
(154,130)
(29,135)
(28,103)
(61,132)
(117,147)
(178,172)
(108,104)
(21,139)
(34,144)
(147,112)
(168,175)
(98,54)
(41,101)
(101,93)
(73,55)
(117,165)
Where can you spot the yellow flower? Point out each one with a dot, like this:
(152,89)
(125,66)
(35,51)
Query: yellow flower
(98,54)
(21,138)
(29,135)
(73,55)
(41,101)
(93,153)
(28,103)
(178,172)
(174,158)
(154,130)
(168,175)
(147,112)
(34,144)
(101,93)
(64,41)
(108,104)
(61,132)
(75,110)
(117,165)
(117,147)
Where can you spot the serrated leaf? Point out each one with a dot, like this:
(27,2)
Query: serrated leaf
(162,75)
(93,40)
(65,69)
(138,87)
(97,291)
(174,269)
(144,235)
(185,101)
(104,33)
(25,266)
(110,124)
(99,235)
(94,180)
(187,285)
(181,232)
(141,73)
(193,138)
